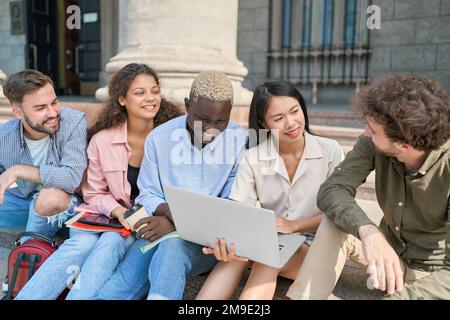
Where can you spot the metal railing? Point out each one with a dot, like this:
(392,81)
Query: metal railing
(316,42)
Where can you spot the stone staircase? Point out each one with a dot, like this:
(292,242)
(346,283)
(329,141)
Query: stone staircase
(5,112)
(341,126)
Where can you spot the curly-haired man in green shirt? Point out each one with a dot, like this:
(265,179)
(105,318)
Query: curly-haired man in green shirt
(406,142)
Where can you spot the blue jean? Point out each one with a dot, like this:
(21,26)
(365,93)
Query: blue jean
(14,211)
(87,258)
(18,214)
(159,273)
(103,260)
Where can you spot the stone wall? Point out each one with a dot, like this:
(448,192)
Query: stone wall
(253,39)
(12,47)
(414,38)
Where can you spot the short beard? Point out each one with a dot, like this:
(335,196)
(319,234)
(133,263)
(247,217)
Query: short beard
(39,127)
(392,153)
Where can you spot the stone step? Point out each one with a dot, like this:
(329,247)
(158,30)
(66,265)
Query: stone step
(317,116)
(6,111)
(347,137)
(91,109)
(4,104)
(335,118)
(4,119)
(331,118)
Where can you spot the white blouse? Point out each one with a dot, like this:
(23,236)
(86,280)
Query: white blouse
(262,176)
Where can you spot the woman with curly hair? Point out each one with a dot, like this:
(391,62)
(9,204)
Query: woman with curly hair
(115,153)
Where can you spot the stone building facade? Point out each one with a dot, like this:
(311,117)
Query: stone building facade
(271,34)
(414,38)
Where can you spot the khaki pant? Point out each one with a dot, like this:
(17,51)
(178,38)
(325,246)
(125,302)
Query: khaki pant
(325,260)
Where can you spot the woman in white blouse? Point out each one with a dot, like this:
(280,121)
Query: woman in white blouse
(283,172)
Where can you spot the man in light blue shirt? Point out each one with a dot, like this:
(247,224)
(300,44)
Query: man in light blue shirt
(42,156)
(172,159)
(199,152)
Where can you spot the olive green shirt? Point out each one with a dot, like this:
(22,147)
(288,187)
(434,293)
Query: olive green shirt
(416,206)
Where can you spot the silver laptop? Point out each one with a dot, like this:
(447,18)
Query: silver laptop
(201,219)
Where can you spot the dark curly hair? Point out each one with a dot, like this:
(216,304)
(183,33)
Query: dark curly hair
(412,110)
(114,114)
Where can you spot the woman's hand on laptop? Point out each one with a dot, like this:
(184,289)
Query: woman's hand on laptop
(220,251)
(286,226)
(153,227)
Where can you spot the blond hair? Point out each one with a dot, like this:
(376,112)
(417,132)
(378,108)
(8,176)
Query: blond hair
(212,85)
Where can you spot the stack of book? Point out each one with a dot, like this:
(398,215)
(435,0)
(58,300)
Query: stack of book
(92,221)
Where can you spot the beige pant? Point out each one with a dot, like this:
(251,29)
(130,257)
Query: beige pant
(325,260)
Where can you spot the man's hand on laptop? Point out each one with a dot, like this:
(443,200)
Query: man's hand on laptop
(220,251)
(154,227)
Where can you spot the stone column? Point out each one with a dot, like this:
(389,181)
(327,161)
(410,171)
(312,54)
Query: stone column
(2,79)
(109,34)
(179,39)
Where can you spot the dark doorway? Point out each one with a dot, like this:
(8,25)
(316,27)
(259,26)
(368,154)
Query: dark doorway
(90,46)
(71,57)
(70,54)
(41,37)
